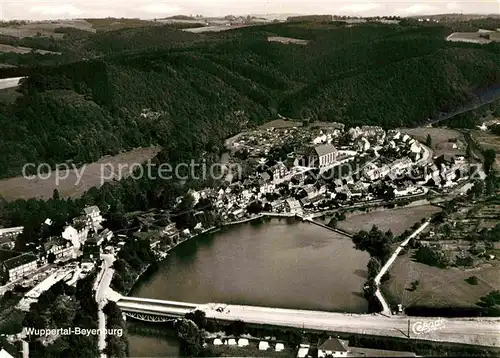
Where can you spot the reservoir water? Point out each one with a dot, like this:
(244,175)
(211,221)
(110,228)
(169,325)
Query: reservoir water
(278,263)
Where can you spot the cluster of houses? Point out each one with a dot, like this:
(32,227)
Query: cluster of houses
(331,347)
(302,181)
(83,236)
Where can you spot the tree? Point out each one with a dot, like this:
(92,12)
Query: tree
(468,152)
(489,159)
(375,242)
(33,319)
(374,267)
(189,337)
(237,328)
(55,194)
(254,207)
(198,317)
(428,140)
(472,280)
(431,257)
(333,223)
(51,257)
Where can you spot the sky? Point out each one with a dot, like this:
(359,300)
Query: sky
(147,9)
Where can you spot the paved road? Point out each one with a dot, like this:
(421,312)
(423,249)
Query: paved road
(465,330)
(385,307)
(100,297)
(11,285)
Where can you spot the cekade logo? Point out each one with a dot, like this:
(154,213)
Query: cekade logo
(422,327)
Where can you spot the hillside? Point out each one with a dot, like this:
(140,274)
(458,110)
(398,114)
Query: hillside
(207,87)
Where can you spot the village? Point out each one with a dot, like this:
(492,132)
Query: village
(293,171)
(301,172)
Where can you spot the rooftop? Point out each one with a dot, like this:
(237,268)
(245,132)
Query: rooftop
(19,260)
(325,149)
(91,210)
(334,345)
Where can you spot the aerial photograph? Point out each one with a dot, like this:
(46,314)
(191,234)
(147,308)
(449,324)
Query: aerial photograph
(250,178)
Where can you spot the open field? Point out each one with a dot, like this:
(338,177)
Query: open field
(280,123)
(474,37)
(44,28)
(287,40)
(109,23)
(24,50)
(214,28)
(7,83)
(397,220)
(444,141)
(91,175)
(439,287)
(488,140)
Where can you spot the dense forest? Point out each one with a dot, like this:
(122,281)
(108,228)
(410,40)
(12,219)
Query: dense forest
(207,87)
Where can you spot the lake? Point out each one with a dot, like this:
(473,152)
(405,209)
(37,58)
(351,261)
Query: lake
(277,263)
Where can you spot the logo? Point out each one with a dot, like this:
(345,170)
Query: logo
(423,327)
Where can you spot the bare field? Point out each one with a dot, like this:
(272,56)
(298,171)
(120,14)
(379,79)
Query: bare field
(214,28)
(45,28)
(487,140)
(92,176)
(109,23)
(24,50)
(443,140)
(439,287)
(287,40)
(280,123)
(397,220)
(474,37)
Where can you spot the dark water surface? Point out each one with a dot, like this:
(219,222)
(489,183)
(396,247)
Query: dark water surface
(279,263)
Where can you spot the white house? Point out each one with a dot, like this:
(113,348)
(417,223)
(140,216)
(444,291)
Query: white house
(263,346)
(355,132)
(11,231)
(93,214)
(171,232)
(61,248)
(320,139)
(5,354)
(293,205)
(333,347)
(303,350)
(19,266)
(76,237)
(243,342)
(239,213)
(415,147)
(279,170)
(279,347)
(362,144)
(324,155)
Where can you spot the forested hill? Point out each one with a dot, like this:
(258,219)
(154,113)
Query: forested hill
(205,88)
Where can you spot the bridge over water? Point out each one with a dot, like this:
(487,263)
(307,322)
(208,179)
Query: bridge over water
(479,331)
(151,310)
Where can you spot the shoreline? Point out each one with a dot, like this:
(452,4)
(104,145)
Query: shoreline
(387,300)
